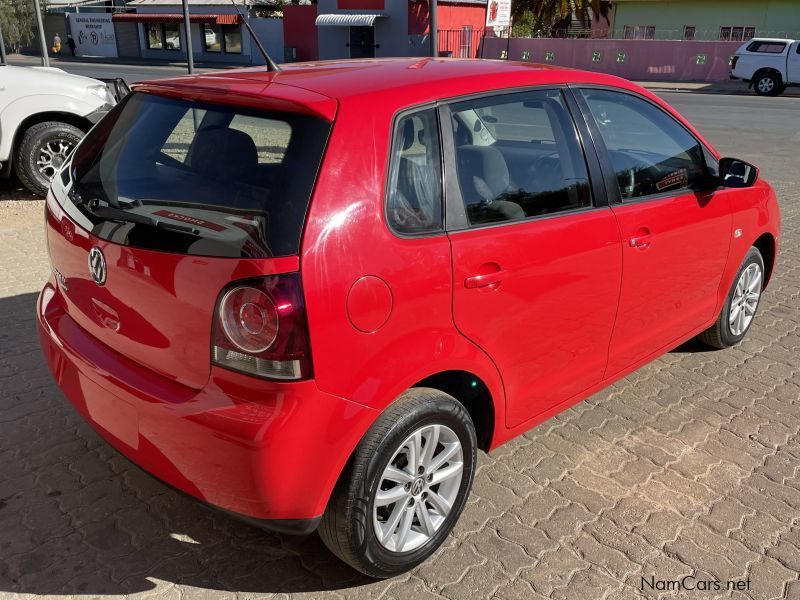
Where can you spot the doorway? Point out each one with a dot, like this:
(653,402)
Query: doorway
(362,42)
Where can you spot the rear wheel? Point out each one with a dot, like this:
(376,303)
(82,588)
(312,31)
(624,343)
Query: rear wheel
(767,84)
(741,304)
(405,486)
(44,147)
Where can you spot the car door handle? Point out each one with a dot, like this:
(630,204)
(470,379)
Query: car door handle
(641,239)
(479,281)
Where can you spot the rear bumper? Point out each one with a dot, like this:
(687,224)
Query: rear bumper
(268,452)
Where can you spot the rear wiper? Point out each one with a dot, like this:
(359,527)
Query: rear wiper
(117,214)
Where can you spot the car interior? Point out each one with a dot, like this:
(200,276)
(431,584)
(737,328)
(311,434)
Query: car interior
(518,158)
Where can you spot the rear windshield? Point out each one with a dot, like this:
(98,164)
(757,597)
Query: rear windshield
(206,179)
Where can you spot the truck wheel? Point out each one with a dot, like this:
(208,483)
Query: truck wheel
(767,84)
(44,147)
(405,485)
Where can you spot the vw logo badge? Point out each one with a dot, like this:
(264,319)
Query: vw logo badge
(97,265)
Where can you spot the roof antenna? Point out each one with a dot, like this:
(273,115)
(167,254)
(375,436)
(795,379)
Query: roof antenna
(271,66)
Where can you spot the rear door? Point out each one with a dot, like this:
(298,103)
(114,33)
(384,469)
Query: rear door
(675,227)
(793,64)
(536,252)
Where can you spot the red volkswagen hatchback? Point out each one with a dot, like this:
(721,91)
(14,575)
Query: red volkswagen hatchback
(309,297)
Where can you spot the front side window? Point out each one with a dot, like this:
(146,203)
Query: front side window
(414,194)
(518,156)
(650,152)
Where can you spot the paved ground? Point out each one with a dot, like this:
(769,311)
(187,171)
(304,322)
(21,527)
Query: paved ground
(690,466)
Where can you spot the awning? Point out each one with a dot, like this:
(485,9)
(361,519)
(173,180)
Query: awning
(229,19)
(347,20)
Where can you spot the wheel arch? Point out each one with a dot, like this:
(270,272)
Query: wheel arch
(471,391)
(765,71)
(765,244)
(78,121)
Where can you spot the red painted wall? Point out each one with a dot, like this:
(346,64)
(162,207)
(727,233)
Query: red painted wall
(450,16)
(360,4)
(645,60)
(299,30)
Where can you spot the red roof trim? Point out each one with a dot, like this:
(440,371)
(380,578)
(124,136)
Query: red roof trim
(225,19)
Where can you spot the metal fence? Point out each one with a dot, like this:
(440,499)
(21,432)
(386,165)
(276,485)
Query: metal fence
(469,43)
(466,42)
(725,33)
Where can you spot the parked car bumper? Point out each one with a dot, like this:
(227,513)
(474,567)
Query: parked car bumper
(273,461)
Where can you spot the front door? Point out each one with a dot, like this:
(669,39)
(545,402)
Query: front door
(362,42)
(675,228)
(536,259)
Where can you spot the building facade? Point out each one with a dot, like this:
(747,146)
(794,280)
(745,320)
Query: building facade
(377,28)
(217,31)
(725,20)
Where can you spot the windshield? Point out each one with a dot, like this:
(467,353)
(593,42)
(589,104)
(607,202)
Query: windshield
(183,176)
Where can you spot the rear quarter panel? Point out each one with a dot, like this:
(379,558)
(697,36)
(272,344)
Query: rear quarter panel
(346,238)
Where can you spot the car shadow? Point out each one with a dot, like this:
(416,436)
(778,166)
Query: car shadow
(693,346)
(76,517)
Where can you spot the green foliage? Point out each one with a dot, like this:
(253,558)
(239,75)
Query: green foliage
(541,16)
(18,20)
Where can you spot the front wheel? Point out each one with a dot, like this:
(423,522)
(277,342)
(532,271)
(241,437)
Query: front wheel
(741,304)
(41,152)
(405,486)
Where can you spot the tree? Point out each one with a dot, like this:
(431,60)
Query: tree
(18,19)
(543,16)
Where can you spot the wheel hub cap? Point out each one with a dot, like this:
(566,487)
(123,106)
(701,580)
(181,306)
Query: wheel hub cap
(418,488)
(745,299)
(52,155)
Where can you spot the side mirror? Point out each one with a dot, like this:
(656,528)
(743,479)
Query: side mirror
(735,173)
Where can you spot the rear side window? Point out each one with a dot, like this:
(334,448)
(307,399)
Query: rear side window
(768,47)
(414,195)
(518,156)
(181,176)
(650,152)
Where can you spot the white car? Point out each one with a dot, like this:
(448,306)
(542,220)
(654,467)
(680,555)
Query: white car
(768,64)
(44,113)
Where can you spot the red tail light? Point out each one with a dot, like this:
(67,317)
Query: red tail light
(260,328)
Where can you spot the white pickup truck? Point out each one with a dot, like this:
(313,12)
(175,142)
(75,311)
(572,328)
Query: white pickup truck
(44,113)
(769,65)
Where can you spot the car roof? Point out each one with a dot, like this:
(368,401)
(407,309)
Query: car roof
(397,80)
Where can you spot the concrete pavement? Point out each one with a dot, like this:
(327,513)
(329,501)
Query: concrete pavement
(688,467)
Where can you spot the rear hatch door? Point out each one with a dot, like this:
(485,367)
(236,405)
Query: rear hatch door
(166,202)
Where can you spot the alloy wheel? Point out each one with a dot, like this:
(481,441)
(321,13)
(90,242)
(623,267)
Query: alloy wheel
(52,154)
(766,84)
(745,299)
(418,488)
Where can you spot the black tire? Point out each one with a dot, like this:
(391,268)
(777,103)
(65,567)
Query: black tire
(767,84)
(719,335)
(30,148)
(347,525)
